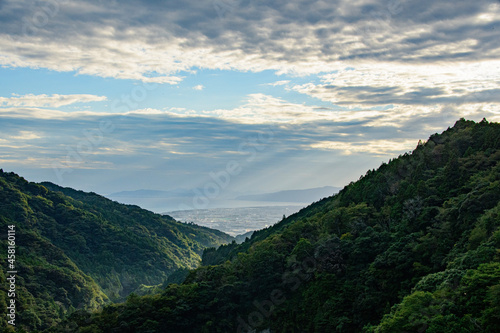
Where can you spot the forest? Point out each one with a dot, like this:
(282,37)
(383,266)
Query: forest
(413,246)
(80,251)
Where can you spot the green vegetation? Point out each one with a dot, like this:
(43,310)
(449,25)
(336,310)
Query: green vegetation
(411,247)
(79,251)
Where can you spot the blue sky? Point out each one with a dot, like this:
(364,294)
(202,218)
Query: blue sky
(111,96)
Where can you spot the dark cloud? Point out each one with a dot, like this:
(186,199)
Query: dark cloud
(280,32)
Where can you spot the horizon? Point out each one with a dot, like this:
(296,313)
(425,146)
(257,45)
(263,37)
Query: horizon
(178,204)
(226,97)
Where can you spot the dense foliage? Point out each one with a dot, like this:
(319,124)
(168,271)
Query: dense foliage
(79,250)
(410,247)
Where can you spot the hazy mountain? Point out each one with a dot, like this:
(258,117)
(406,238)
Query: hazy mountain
(411,247)
(241,238)
(154,200)
(183,199)
(307,195)
(178,193)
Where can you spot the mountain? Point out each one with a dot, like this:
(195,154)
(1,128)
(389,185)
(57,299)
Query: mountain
(307,195)
(77,250)
(154,200)
(182,199)
(180,193)
(241,238)
(413,246)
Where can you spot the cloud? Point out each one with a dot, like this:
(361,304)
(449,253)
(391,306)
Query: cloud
(279,83)
(155,41)
(270,138)
(265,109)
(407,84)
(25,135)
(176,133)
(55,100)
(199,87)
(373,147)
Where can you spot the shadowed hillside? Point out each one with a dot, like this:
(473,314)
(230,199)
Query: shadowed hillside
(412,246)
(78,250)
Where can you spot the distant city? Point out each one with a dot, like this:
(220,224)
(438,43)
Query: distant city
(236,215)
(235,221)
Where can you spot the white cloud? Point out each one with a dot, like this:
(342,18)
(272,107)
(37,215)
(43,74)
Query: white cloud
(408,84)
(279,83)
(55,100)
(265,109)
(25,135)
(199,87)
(373,147)
(38,113)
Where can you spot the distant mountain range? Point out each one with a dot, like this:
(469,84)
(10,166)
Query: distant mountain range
(307,195)
(155,200)
(178,199)
(152,194)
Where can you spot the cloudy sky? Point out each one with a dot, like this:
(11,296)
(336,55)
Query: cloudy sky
(235,96)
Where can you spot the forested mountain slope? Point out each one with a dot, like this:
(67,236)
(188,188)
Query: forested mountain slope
(78,250)
(410,247)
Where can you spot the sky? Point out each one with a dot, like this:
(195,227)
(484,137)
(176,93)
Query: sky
(230,97)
